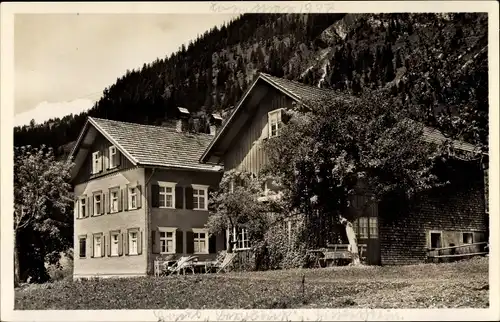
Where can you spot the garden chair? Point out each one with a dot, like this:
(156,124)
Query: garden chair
(182,264)
(162,263)
(223,265)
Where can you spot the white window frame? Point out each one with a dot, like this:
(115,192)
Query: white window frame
(164,194)
(99,253)
(467,232)
(274,117)
(373,220)
(112,244)
(82,207)
(96,162)
(113,152)
(130,195)
(111,208)
(198,240)
(95,202)
(244,232)
(197,187)
(174,237)
(440,237)
(130,239)
(360,227)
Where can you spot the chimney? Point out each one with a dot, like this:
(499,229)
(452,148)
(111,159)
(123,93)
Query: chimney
(181,125)
(215,123)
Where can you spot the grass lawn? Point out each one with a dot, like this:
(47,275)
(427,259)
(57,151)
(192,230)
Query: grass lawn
(459,284)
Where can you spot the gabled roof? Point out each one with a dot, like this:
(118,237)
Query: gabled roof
(303,93)
(149,145)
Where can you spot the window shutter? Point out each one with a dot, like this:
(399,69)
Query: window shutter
(189,198)
(99,159)
(118,157)
(105,158)
(212,240)
(139,243)
(138,197)
(120,199)
(125,243)
(103,203)
(179,247)
(90,207)
(91,245)
(120,244)
(155,241)
(108,205)
(103,245)
(155,196)
(179,197)
(125,198)
(109,244)
(189,242)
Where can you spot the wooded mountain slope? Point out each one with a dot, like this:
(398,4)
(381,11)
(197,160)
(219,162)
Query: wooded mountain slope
(435,62)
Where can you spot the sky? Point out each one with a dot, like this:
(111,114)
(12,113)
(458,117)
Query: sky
(63,62)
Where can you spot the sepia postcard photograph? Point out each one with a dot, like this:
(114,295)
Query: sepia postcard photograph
(235,161)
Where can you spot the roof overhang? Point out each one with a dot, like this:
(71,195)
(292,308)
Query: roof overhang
(242,112)
(84,143)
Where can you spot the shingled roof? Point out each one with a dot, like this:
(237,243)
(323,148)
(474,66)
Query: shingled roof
(149,145)
(298,91)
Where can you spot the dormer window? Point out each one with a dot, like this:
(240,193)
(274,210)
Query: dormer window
(113,157)
(274,121)
(96,162)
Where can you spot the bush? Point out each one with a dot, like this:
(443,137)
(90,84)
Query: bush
(278,250)
(63,269)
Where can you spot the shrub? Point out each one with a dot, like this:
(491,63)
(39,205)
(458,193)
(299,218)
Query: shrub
(280,250)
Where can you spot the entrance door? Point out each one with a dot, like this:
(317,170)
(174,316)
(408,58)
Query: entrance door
(366,227)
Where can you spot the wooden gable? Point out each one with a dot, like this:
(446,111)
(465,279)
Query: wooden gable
(244,151)
(94,141)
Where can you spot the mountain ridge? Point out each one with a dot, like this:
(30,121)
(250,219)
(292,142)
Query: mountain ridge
(427,60)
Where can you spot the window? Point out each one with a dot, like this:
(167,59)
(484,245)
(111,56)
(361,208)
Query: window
(113,201)
(373,224)
(200,197)
(97,204)
(435,239)
(468,238)
(274,120)
(167,241)
(241,238)
(97,246)
(96,162)
(132,243)
(113,157)
(132,198)
(355,226)
(82,213)
(363,227)
(83,247)
(200,241)
(114,244)
(167,194)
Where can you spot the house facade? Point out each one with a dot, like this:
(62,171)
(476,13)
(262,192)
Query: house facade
(140,192)
(449,216)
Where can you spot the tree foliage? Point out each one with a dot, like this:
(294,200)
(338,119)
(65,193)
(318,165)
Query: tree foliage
(42,209)
(235,205)
(333,148)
